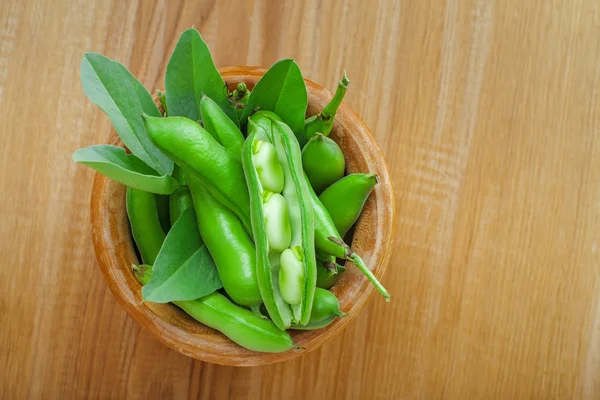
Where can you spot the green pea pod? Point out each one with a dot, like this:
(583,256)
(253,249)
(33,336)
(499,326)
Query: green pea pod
(221,127)
(323,162)
(240,98)
(325,309)
(180,175)
(344,200)
(294,269)
(323,122)
(181,198)
(162,205)
(237,323)
(328,240)
(145,224)
(327,273)
(179,201)
(229,245)
(191,147)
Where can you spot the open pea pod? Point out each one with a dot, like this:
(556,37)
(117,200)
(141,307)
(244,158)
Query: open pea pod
(282,220)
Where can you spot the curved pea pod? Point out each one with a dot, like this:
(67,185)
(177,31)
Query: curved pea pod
(191,147)
(299,275)
(163,207)
(326,308)
(323,122)
(237,323)
(221,127)
(327,273)
(179,201)
(329,241)
(181,198)
(145,225)
(344,200)
(229,245)
(323,162)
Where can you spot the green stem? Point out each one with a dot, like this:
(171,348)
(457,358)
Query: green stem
(331,108)
(143,273)
(355,258)
(163,101)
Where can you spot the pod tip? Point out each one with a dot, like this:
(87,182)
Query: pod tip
(331,267)
(255,308)
(316,136)
(345,81)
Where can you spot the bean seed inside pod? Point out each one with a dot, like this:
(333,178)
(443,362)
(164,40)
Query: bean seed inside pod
(277,222)
(291,275)
(270,173)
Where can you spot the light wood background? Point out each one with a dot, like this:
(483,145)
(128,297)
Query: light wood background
(489,115)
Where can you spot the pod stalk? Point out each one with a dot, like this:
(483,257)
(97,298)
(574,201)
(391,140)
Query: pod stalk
(355,258)
(331,108)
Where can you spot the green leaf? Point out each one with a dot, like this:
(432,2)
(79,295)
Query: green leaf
(283,91)
(124,168)
(184,269)
(110,86)
(191,72)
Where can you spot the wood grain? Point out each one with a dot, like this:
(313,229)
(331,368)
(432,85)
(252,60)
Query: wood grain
(488,114)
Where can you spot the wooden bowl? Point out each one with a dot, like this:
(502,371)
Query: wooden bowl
(373,239)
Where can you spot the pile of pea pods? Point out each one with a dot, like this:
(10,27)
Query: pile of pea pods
(245,229)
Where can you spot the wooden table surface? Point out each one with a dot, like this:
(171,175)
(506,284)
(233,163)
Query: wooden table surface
(489,115)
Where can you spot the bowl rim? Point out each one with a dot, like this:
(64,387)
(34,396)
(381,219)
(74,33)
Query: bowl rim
(173,337)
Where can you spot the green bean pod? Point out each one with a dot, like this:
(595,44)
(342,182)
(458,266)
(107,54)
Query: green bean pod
(221,127)
(181,198)
(293,269)
(179,201)
(229,245)
(237,323)
(162,205)
(323,122)
(325,309)
(323,162)
(145,224)
(344,200)
(328,240)
(191,147)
